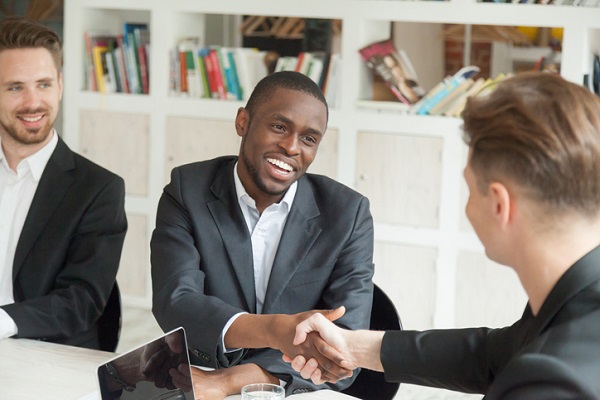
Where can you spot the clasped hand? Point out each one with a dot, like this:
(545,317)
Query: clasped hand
(318,351)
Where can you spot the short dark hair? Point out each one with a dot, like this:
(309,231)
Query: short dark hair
(541,132)
(286,80)
(23,33)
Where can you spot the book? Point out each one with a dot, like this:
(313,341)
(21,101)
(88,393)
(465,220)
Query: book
(189,67)
(447,101)
(458,105)
(447,87)
(315,68)
(93,40)
(120,58)
(235,82)
(203,74)
(132,32)
(110,78)
(251,68)
(383,59)
(437,88)
(216,69)
(332,86)
(100,67)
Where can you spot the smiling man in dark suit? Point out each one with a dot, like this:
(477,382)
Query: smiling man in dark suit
(240,242)
(62,218)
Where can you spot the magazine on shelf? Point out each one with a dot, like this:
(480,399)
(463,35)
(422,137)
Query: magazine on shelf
(395,69)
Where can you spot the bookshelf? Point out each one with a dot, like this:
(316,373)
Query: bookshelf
(427,257)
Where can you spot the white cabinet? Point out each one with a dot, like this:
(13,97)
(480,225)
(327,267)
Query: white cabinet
(427,256)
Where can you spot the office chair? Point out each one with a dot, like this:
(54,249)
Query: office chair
(109,323)
(371,385)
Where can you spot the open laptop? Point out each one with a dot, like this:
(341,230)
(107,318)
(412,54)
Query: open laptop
(146,372)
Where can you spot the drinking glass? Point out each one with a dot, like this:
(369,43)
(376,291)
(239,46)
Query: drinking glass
(263,391)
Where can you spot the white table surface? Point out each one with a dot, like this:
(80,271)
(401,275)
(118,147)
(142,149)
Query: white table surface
(30,369)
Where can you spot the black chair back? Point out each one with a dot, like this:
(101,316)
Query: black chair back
(371,385)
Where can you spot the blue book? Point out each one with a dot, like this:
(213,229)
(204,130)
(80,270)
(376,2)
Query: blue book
(449,85)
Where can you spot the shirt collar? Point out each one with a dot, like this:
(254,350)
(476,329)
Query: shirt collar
(244,197)
(37,161)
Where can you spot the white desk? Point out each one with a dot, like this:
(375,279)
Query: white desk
(35,370)
(30,369)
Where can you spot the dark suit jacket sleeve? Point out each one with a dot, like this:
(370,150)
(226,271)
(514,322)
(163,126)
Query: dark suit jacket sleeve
(69,272)
(178,295)
(454,359)
(540,376)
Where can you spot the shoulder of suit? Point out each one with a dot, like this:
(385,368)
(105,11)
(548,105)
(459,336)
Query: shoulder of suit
(87,167)
(324,185)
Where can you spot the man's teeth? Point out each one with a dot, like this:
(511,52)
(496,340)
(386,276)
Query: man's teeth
(32,119)
(280,164)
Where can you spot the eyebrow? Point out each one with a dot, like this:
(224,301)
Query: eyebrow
(19,82)
(288,121)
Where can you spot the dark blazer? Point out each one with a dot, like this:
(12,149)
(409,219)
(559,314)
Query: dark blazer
(202,271)
(554,355)
(68,253)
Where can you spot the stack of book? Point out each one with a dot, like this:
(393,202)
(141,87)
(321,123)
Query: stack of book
(230,73)
(118,63)
(448,98)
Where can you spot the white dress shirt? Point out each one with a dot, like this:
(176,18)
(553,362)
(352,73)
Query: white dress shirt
(265,232)
(17,189)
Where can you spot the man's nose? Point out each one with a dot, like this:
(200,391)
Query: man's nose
(31,99)
(291,144)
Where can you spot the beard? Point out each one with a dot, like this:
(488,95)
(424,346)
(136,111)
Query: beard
(256,177)
(28,136)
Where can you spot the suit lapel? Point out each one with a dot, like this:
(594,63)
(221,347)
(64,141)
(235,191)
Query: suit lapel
(298,236)
(51,189)
(229,219)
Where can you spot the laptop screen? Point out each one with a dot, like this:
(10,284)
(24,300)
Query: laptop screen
(157,370)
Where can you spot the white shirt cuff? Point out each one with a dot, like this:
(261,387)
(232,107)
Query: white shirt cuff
(225,329)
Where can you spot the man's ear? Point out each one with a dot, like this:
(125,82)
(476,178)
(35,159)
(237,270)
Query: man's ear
(500,201)
(241,121)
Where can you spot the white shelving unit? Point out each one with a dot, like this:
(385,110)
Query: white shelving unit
(427,258)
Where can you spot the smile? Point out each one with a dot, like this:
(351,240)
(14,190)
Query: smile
(31,119)
(280,164)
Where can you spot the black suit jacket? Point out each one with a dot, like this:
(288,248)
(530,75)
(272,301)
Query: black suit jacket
(202,271)
(554,355)
(68,253)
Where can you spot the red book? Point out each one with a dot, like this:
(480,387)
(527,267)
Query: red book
(210,75)
(144,69)
(216,70)
(183,72)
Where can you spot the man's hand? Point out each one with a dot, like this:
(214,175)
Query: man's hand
(312,346)
(350,349)
(277,331)
(331,343)
(220,383)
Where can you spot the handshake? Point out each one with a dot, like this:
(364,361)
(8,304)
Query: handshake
(336,352)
